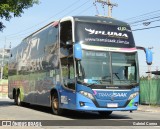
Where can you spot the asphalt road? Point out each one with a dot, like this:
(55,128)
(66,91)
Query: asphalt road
(9,111)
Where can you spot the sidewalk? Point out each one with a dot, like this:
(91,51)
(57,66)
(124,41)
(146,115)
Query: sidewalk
(149,108)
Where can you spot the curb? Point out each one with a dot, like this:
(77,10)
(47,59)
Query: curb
(149,109)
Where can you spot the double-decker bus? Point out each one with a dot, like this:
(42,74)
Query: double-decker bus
(82,63)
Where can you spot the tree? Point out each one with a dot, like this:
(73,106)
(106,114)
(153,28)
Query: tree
(13,8)
(5,72)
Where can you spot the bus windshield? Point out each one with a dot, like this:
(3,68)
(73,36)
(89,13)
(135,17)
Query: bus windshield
(107,68)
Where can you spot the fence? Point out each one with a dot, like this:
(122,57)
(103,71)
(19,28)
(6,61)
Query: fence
(3,88)
(150,92)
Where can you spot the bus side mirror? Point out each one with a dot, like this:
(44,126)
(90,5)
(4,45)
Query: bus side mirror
(149,56)
(77,51)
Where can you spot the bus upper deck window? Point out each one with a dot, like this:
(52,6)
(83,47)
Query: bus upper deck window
(66,33)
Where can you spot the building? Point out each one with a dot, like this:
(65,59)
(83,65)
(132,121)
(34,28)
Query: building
(4,57)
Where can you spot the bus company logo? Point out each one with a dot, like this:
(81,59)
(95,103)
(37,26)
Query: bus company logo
(109,33)
(122,28)
(112,94)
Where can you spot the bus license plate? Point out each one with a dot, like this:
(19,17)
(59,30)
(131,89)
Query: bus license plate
(112,104)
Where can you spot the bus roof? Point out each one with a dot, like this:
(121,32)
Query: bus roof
(100,19)
(92,19)
(39,30)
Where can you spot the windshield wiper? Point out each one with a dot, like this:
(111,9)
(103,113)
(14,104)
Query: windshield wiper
(80,82)
(134,83)
(91,84)
(117,75)
(86,84)
(97,82)
(106,78)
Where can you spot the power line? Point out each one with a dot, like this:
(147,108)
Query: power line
(51,17)
(85,10)
(21,35)
(15,35)
(141,15)
(76,8)
(145,20)
(45,20)
(146,28)
(149,22)
(136,25)
(94,3)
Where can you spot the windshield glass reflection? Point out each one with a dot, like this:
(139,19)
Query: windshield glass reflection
(107,68)
(124,68)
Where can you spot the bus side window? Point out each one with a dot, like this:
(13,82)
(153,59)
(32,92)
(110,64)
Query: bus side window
(68,73)
(71,72)
(66,34)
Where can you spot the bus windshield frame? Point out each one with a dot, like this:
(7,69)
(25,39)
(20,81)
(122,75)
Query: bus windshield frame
(108,68)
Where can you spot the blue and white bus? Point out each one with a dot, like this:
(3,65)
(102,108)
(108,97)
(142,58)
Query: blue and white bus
(82,63)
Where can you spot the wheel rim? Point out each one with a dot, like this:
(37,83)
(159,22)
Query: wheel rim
(55,103)
(18,100)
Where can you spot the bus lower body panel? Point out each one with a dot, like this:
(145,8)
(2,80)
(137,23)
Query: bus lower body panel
(85,104)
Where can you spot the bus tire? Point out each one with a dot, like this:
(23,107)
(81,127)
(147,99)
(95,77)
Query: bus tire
(55,105)
(15,97)
(15,101)
(105,113)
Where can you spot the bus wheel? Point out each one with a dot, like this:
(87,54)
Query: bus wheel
(55,105)
(105,113)
(15,99)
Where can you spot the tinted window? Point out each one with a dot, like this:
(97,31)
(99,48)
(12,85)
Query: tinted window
(104,35)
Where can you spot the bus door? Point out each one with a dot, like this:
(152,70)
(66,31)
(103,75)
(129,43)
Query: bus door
(67,94)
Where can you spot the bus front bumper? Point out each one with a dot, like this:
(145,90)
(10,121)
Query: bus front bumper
(86,104)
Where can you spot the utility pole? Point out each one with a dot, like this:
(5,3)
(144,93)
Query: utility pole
(2,63)
(149,72)
(110,6)
(156,72)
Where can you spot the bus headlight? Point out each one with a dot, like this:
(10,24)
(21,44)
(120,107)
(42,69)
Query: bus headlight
(133,95)
(86,94)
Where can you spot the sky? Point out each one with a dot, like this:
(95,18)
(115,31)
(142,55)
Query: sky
(49,10)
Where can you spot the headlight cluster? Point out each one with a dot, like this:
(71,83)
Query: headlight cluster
(88,95)
(133,95)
